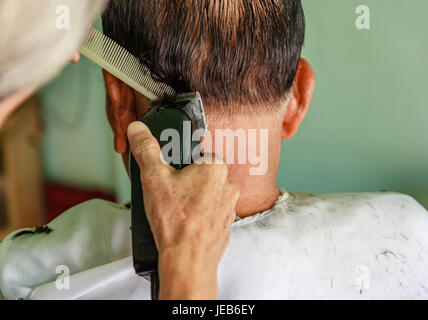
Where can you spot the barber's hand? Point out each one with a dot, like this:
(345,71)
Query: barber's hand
(75,58)
(190,212)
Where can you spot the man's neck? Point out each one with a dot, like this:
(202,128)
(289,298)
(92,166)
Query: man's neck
(258,188)
(257,195)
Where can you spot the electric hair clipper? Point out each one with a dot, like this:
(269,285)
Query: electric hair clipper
(185,115)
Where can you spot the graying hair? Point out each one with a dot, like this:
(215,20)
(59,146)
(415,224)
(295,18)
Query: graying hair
(32,48)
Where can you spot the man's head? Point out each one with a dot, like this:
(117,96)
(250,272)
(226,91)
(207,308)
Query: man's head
(237,54)
(242,56)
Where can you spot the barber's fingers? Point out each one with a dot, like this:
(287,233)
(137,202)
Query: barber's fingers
(75,58)
(145,148)
(214,168)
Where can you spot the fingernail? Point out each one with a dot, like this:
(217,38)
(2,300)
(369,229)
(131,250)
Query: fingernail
(135,128)
(76,57)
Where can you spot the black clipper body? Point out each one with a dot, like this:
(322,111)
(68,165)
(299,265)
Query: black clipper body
(184,114)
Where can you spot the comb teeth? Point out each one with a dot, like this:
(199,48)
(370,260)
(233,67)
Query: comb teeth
(112,57)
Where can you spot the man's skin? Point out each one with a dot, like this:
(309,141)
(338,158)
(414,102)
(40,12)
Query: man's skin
(256,193)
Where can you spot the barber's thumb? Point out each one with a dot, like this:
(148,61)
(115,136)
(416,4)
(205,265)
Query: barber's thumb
(144,146)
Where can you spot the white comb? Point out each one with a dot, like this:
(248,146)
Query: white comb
(115,59)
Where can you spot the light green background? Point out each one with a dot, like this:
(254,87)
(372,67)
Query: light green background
(366,129)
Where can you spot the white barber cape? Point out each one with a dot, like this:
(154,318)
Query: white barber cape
(334,246)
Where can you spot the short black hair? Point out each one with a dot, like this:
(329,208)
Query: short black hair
(234,52)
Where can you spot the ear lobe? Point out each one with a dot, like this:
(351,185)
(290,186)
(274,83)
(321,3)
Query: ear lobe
(300,101)
(121,110)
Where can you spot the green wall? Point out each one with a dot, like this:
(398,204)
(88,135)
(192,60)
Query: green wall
(366,129)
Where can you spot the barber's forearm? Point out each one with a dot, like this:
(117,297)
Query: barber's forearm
(190,213)
(187,276)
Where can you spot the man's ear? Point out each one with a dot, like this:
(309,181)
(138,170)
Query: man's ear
(121,110)
(300,99)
